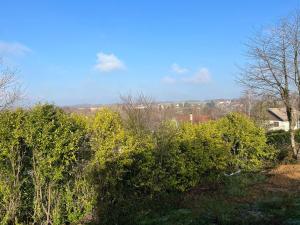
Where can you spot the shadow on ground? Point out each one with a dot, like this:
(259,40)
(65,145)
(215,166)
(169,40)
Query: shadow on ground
(269,197)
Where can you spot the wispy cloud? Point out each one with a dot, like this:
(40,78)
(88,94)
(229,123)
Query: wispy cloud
(200,77)
(13,49)
(108,63)
(178,69)
(168,80)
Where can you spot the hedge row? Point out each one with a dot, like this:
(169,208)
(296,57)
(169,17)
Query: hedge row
(58,168)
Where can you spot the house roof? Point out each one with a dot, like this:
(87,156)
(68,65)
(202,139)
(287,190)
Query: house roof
(280,114)
(196,118)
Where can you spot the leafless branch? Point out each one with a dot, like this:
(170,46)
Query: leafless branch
(140,112)
(10,91)
(272,66)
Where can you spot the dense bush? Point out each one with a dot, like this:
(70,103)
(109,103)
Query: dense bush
(121,166)
(204,151)
(172,158)
(59,168)
(280,140)
(15,189)
(57,142)
(247,142)
(41,158)
(231,143)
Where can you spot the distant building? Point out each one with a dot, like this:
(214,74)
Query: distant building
(94,109)
(278,120)
(141,106)
(192,118)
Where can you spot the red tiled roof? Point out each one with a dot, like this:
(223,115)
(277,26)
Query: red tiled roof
(196,118)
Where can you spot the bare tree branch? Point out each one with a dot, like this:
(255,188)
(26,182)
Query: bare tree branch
(140,112)
(272,66)
(10,91)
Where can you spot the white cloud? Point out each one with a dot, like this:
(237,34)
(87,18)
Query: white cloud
(108,63)
(178,69)
(201,77)
(13,49)
(168,80)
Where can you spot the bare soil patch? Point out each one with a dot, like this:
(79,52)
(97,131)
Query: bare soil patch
(285,178)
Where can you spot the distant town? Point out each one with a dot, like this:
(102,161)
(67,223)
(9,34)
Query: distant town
(179,107)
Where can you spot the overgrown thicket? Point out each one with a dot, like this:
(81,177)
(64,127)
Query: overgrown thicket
(43,155)
(280,140)
(58,168)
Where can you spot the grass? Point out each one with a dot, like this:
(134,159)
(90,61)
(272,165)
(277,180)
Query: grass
(247,198)
(240,200)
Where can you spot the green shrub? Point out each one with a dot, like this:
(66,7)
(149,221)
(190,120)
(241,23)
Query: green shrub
(203,151)
(42,152)
(15,186)
(121,167)
(280,140)
(228,144)
(247,142)
(57,142)
(56,168)
(297,135)
(170,169)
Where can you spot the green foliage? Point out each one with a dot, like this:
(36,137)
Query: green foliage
(247,142)
(280,140)
(223,207)
(238,185)
(58,168)
(41,153)
(79,199)
(108,136)
(119,163)
(173,217)
(15,166)
(127,167)
(203,151)
(226,145)
(56,141)
(169,169)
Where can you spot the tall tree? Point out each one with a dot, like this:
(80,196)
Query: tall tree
(294,41)
(271,67)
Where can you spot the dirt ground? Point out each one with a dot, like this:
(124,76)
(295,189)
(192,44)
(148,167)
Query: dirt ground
(284,178)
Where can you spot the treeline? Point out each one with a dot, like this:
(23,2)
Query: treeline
(58,168)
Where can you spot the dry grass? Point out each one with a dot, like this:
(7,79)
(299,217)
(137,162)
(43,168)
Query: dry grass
(284,178)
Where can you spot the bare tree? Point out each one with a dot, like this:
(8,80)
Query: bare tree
(247,99)
(260,105)
(270,68)
(9,88)
(294,41)
(140,112)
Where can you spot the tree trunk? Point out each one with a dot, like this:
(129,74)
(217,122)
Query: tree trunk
(292,123)
(293,144)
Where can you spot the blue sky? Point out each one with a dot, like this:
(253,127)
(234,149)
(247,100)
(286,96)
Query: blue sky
(74,52)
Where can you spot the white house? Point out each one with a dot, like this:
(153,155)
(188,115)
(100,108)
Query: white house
(277,119)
